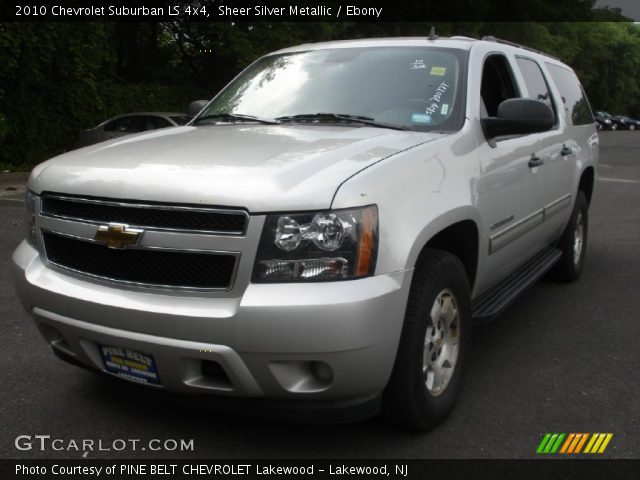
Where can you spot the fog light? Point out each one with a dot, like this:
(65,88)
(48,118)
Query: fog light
(322,371)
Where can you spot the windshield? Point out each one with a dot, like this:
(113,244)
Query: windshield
(413,87)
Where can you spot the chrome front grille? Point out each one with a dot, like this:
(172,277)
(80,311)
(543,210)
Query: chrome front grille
(159,267)
(183,247)
(147,215)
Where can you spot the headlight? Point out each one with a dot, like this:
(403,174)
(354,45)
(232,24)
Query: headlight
(30,220)
(323,246)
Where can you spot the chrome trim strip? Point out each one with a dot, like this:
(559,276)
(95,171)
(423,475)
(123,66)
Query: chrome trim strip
(142,284)
(515,231)
(149,206)
(557,206)
(172,240)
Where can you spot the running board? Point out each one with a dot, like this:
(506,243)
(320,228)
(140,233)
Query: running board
(491,304)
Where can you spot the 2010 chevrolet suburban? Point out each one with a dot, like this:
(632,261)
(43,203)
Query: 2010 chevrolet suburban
(322,235)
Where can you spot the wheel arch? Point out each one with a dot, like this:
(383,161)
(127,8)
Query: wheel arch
(587,180)
(460,238)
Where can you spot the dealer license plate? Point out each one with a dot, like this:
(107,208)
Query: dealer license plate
(130,364)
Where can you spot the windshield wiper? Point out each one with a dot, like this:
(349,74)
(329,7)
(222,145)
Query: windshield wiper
(236,117)
(339,118)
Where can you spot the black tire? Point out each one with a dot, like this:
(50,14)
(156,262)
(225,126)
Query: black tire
(569,267)
(614,126)
(632,127)
(408,401)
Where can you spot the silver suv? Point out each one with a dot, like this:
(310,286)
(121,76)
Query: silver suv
(323,234)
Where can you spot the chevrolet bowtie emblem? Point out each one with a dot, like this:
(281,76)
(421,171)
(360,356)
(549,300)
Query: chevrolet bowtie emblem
(116,235)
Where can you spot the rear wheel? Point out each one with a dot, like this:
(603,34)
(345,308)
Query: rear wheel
(435,338)
(573,243)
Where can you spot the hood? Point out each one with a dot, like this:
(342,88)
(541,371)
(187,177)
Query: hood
(257,167)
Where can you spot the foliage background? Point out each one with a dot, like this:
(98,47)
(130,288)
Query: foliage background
(57,78)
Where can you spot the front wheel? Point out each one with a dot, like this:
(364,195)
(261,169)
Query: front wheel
(435,339)
(632,127)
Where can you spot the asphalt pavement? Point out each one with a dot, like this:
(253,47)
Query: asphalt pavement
(563,358)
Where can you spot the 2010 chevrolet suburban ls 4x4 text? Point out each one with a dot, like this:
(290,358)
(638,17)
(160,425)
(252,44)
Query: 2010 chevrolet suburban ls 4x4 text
(323,233)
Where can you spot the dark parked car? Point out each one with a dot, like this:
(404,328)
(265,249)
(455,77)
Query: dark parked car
(625,123)
(130,123)
(604,121)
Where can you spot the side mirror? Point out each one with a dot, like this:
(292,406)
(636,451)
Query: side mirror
(517,116)
(195,107)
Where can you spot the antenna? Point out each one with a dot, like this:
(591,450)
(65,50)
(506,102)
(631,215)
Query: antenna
(432,33)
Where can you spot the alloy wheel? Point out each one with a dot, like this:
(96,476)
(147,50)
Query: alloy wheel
(578,239)
(441,343)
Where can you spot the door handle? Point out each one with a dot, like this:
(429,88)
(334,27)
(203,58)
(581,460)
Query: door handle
(535,161)
(566,151)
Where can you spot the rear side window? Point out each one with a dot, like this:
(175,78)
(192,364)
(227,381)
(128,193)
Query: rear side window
(180,119)
(130,124)
(111,126)
(535,82)
(573,96)
(154,123)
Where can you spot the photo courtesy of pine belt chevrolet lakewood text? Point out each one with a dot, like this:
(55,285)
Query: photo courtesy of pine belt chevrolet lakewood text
(320,237)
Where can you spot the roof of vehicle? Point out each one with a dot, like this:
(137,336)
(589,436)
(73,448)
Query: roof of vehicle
(461,42)
(457,42)
(163,114)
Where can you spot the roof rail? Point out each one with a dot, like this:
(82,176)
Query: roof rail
(491,38)
(462,37)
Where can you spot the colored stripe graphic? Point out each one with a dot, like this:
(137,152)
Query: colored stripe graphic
(605,443)
(573,443)
(567,443)
(591,442)
(543,443)
(550,443)
(598,443)
(581,442)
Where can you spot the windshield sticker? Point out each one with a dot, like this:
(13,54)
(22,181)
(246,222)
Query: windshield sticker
(439,71)
(418,65)
(436,99)
(443,87)
(421,118)
(445,109)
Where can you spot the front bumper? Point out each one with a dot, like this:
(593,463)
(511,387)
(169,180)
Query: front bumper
(266,341)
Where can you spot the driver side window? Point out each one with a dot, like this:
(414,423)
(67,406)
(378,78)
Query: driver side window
(497,85)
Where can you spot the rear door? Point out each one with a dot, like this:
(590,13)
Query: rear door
(580,134)
(556,152)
